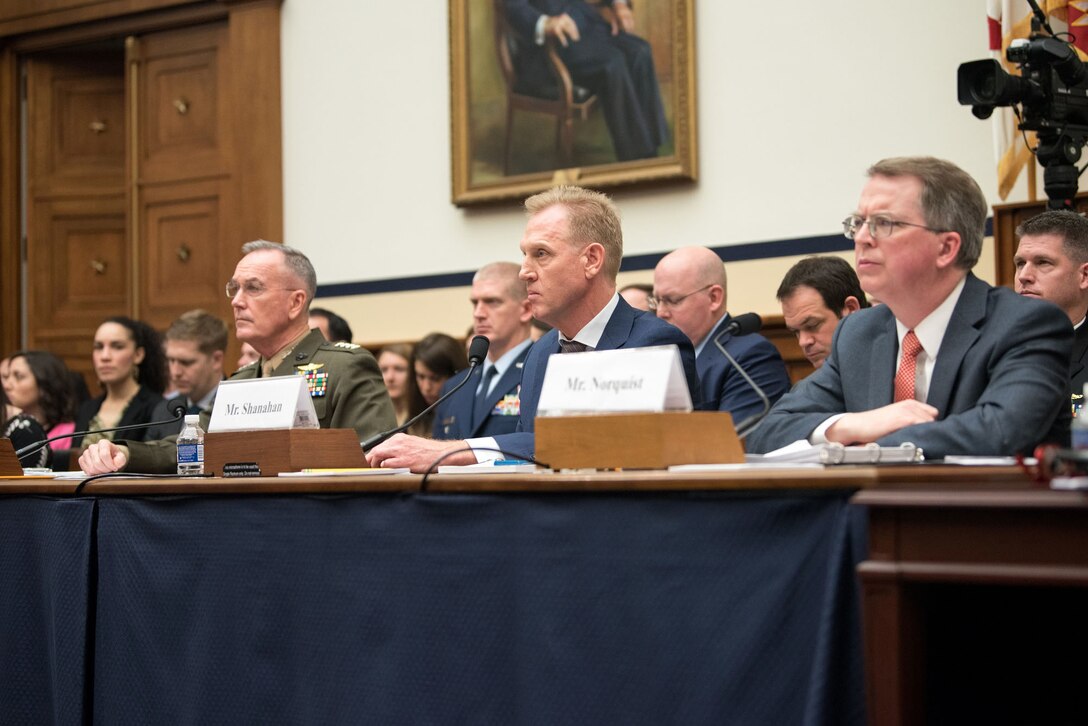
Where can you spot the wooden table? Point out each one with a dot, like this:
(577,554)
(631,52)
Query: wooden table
(971,598)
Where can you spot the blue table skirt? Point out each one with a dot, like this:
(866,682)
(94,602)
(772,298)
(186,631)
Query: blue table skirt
(46,554)
(477,609)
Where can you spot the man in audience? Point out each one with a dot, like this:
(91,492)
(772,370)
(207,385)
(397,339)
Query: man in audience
(571,251)
(270,293)
(690,292)
(1052,264)
(816,294)
(981,370)
(195,345)
(637,295)
(500,313)
(332,326)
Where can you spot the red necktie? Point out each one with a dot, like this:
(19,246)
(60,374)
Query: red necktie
(904,377)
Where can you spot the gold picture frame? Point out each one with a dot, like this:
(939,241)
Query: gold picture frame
(492,160)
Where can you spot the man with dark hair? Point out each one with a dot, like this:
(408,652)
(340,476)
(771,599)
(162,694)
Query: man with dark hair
(815,295)
(1052,264)
(270,294)
(195,345)
(332,326)
(981,370)
(571,252)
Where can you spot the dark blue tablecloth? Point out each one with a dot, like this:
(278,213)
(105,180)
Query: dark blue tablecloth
(476,609)
(46,553)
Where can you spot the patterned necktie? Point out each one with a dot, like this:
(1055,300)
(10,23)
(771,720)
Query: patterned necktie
(193,408)
(572,346)
(908,362)
(479,412)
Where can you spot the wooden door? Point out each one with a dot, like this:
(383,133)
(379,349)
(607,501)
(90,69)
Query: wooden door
(186,247)
(77,251)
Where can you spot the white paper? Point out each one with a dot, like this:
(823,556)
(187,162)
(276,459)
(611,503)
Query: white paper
(614,381)
(279,402)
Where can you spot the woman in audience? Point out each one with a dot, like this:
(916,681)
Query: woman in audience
(23,430)
(131,368)
(395,361)
(39,383)
(435,358)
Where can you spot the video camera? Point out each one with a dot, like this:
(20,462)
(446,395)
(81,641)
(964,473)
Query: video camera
(1049,97)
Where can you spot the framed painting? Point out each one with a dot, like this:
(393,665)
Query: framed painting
(546,92)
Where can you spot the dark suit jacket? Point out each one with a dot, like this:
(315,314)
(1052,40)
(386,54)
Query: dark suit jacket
(1078,367)
(141,409)
(724,389)
(627,328)
(1000,384)
(453,419)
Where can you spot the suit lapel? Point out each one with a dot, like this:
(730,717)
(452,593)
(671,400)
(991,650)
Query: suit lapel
(961,334)
(709,349)
(618,328)
(880,373)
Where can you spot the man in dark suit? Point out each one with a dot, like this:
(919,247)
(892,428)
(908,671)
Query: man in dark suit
(195,345)
(500,313)
(571,252)
(603,56)
(270,293)
(816,293)
(1052,264)
(981,370)
(690,292)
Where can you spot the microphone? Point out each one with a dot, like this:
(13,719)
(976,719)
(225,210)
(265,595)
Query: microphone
(477,351)
(745,324)
(178,411)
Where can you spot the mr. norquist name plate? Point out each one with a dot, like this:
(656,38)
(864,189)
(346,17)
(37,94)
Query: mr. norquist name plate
(280,402)
(613,381)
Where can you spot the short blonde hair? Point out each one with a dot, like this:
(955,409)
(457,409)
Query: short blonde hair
(591,217)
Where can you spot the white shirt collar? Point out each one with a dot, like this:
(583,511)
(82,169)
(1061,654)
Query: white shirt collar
(592,333)
(931,330)
(507,359)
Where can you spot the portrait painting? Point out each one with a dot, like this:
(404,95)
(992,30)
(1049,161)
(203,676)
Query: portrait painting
(544,92)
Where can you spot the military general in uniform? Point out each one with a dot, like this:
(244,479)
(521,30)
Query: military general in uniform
(271,292)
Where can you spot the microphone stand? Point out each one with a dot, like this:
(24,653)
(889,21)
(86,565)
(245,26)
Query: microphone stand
(179,413)
(749,424)
(477,353)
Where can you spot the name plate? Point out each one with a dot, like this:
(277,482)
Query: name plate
(280,402)
(614,381)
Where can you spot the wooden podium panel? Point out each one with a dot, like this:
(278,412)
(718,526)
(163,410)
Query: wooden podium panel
(9,462)
(637,441)
(279,450)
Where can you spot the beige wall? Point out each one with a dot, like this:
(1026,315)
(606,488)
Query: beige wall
(793,106)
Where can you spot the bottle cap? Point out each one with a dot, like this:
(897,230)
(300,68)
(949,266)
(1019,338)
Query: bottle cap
(192,418)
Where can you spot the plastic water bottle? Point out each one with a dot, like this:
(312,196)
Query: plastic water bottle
(1079,428)
(191,447)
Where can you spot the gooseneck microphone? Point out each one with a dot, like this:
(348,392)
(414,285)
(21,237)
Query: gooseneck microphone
(745,324)
(477,351)
(178,411)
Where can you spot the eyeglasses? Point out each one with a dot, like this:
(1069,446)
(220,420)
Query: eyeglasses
(654,302)
(880,227)
(249,288)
